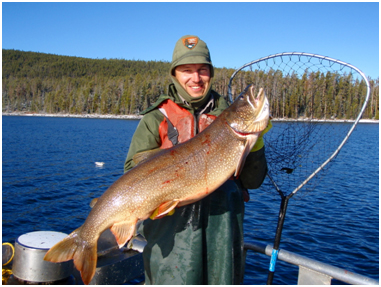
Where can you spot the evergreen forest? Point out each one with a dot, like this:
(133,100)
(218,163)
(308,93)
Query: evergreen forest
(45,83)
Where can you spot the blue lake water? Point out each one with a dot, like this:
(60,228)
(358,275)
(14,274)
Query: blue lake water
(49,178)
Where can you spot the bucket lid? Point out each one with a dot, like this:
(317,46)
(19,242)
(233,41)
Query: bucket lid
(40,239)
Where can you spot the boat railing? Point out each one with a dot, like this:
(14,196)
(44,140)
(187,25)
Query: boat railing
(312,272)
(118,266)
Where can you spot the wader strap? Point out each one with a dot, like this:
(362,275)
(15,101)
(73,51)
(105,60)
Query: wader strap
(172,132)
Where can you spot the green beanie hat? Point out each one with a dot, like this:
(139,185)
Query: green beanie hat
(191,50)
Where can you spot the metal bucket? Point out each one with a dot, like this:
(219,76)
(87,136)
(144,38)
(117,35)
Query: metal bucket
(28,262)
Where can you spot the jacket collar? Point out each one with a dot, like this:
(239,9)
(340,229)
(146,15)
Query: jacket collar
(175,97)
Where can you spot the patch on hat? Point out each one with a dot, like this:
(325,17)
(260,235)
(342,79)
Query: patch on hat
(190,42)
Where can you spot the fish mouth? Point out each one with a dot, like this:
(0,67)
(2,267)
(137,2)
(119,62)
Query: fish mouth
(262,106)
(256,102)
(251,112)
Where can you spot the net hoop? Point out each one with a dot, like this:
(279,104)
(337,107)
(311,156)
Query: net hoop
(331,63)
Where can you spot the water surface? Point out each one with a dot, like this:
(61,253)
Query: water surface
(50,177)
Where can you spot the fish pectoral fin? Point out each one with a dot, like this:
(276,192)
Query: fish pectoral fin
(166,208)
(250,142)
(93,202)
(123,231)
(261,125)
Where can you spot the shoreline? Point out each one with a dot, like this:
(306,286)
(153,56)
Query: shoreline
(85,116)
(138,117)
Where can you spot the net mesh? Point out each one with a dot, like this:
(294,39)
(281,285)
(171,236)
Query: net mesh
(315,102)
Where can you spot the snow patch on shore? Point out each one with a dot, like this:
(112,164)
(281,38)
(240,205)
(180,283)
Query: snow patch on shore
(138,117)
(90,116)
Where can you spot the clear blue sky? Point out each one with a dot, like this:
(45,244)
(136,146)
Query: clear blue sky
(236,33)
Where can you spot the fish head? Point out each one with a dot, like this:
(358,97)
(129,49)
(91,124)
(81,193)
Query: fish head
(250,112)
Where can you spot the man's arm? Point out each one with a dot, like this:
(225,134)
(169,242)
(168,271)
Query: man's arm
(255,169)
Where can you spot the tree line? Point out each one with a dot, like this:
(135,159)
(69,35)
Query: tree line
(46,83)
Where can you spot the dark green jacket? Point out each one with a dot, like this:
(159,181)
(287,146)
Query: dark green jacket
(146,136)
(201,243)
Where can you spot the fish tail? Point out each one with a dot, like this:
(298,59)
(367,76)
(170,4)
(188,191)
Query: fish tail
(83,253)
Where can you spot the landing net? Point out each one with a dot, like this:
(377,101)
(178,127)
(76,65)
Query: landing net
(315,102)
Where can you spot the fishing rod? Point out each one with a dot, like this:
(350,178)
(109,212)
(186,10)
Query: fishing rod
(309,92)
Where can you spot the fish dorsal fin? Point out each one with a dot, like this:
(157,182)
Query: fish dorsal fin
(250,141)
(123,231)
(145,155)
(166,208)
(93,202)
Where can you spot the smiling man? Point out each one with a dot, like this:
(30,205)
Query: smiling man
(194,78)
(201,243)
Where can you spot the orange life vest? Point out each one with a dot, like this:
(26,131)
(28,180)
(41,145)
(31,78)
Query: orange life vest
(183,122)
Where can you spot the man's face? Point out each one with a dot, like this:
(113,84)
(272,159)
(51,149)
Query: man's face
(194,78)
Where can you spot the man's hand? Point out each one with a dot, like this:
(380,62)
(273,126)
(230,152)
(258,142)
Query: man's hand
(260,143)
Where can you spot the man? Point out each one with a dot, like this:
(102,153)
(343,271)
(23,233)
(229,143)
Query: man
(201,243)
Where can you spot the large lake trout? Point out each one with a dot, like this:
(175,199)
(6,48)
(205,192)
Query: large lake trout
(170,178)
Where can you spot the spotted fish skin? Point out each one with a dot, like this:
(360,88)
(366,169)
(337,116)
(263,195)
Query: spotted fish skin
(170,178)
